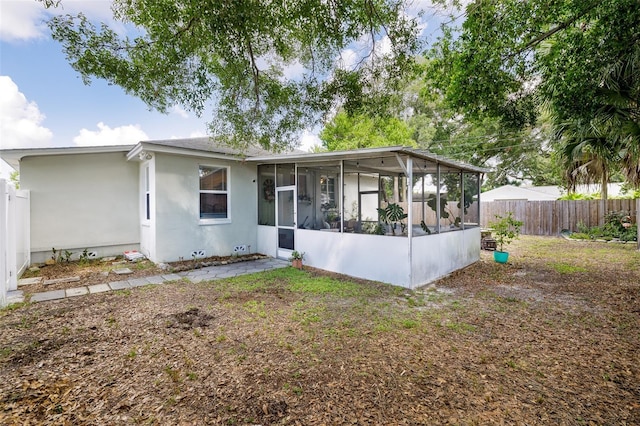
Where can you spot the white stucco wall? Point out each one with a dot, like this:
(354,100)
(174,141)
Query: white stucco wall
(267,240)
(372,257)
(436,255)
(82,201)
(178,228)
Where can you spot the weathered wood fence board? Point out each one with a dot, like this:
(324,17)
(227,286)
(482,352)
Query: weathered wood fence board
(551,217)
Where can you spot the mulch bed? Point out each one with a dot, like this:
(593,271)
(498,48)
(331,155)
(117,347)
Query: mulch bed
(99,271)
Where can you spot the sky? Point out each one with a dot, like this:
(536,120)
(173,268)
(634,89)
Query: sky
(44,102)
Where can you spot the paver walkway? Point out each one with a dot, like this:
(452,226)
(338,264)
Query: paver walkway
(194,276)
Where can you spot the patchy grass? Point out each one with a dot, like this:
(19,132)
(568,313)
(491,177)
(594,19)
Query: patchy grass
(564,268)
(550,338)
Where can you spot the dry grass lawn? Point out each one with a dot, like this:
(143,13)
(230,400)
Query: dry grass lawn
(553,337)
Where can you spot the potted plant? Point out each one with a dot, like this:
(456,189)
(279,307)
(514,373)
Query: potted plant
(391,216)
(506,229)
(296,259)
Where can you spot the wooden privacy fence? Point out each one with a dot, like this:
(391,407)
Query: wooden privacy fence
(551,217)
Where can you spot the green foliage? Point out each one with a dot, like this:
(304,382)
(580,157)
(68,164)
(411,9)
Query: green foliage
(618,225)
(84,257)
(347,132)
(14,177)
(575,61)
(296,255)
(238,54)
(392,215)
(577,196)
(505,229)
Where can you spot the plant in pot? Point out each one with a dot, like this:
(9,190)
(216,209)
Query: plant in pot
(506,229)
(296,259)
(392,215)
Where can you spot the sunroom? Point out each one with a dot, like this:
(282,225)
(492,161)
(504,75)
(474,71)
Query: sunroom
(394,214)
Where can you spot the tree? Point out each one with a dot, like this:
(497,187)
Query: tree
(514,155)
(14,177)
(235,54)
(346,132)
(509,57)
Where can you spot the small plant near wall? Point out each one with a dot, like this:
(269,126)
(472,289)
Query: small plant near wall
(296,259)
(505,229)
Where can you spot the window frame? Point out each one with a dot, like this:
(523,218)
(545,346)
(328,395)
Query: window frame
(226,192)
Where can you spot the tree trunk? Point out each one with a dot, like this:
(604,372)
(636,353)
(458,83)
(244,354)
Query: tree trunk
(604,195)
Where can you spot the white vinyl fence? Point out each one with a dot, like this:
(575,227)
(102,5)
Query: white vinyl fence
(15,250)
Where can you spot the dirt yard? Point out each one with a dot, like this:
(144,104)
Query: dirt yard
(553,337)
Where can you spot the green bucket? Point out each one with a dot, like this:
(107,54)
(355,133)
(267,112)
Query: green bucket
(500,256)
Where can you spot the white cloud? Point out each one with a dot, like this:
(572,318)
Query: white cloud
(20,120)
(21,19)
(25,19)
(105,135)
(178,110)
(308,140)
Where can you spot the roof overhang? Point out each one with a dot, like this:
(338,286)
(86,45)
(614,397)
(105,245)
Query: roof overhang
(140,151)
(384,159)
(14,156)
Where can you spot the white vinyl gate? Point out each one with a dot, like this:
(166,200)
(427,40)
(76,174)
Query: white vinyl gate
(15,250)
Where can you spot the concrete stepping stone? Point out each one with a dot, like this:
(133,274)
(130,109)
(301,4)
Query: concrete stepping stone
(155,279)
(48,295)
(138,282)
(119,285)
(99,288)
(27,281)
(122,271)
(171,277)
(78,291)
(61,280)
(15,296)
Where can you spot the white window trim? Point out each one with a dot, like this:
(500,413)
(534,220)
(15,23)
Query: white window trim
(212,221)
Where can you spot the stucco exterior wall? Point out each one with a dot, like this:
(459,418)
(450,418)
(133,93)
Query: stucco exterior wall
(82,201)
(179,230)
(436,255)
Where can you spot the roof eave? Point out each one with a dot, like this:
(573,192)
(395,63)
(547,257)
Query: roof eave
(14,156)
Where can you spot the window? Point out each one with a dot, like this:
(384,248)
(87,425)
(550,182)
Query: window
(147,203)
(214,192)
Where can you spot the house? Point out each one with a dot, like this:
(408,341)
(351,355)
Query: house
(543,193)
(189,198)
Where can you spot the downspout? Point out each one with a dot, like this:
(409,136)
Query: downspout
(341,196)
(438,198)
(462,201)
(410,216)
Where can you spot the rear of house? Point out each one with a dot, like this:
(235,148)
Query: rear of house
(182,199)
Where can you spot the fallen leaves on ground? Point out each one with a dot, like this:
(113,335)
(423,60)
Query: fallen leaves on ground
(520,343)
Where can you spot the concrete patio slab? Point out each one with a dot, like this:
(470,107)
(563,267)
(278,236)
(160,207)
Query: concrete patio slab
(48,295)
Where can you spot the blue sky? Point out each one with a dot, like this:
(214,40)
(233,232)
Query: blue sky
(44,103)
